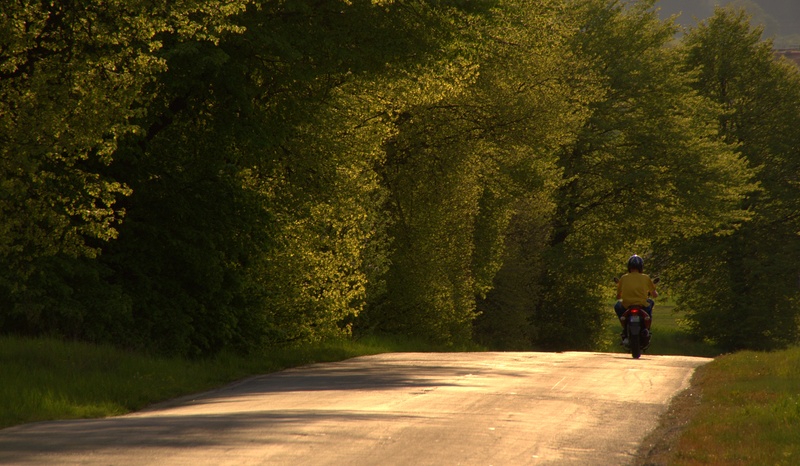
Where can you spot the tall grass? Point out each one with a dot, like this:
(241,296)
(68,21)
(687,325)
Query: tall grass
(44,379)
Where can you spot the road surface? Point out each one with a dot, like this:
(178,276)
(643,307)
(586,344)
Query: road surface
(390,409)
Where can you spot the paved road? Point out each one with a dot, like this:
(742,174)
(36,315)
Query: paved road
(391,409)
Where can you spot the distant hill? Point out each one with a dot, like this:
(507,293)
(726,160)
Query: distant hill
(780,18)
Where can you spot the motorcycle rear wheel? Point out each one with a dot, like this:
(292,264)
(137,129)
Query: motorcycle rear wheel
(636,349)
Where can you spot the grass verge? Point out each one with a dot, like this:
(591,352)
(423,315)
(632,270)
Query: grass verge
(46,379)
(742,409)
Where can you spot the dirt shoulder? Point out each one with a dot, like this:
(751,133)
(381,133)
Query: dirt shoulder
(659,447)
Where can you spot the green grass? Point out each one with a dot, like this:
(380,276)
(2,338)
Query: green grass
(749,414)
(670,335)
(45,379)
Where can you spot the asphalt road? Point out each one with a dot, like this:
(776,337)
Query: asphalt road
(391,409)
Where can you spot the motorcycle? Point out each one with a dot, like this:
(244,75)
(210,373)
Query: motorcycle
(637,328)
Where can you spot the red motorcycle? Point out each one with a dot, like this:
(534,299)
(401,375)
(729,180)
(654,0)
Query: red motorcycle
(637,330)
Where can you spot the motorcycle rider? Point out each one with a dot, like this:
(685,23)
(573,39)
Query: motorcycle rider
(633,288)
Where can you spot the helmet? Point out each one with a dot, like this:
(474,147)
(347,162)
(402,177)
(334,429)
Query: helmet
(636,262)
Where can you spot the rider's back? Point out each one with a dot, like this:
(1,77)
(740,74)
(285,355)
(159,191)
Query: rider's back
(634,288)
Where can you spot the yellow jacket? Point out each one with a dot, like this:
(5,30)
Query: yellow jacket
(633,289)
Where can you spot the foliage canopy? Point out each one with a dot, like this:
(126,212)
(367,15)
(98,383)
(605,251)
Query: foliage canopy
(185,177)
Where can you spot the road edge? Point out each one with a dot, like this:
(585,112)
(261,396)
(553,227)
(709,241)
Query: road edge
(658,446)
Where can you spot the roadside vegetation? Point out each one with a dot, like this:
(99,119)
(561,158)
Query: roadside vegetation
(197,178)
(742,409)
(48,379)
(749,414)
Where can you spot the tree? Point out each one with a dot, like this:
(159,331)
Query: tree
(72,82)
(646,165)
(265,146)
(463,158)
(744,292)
